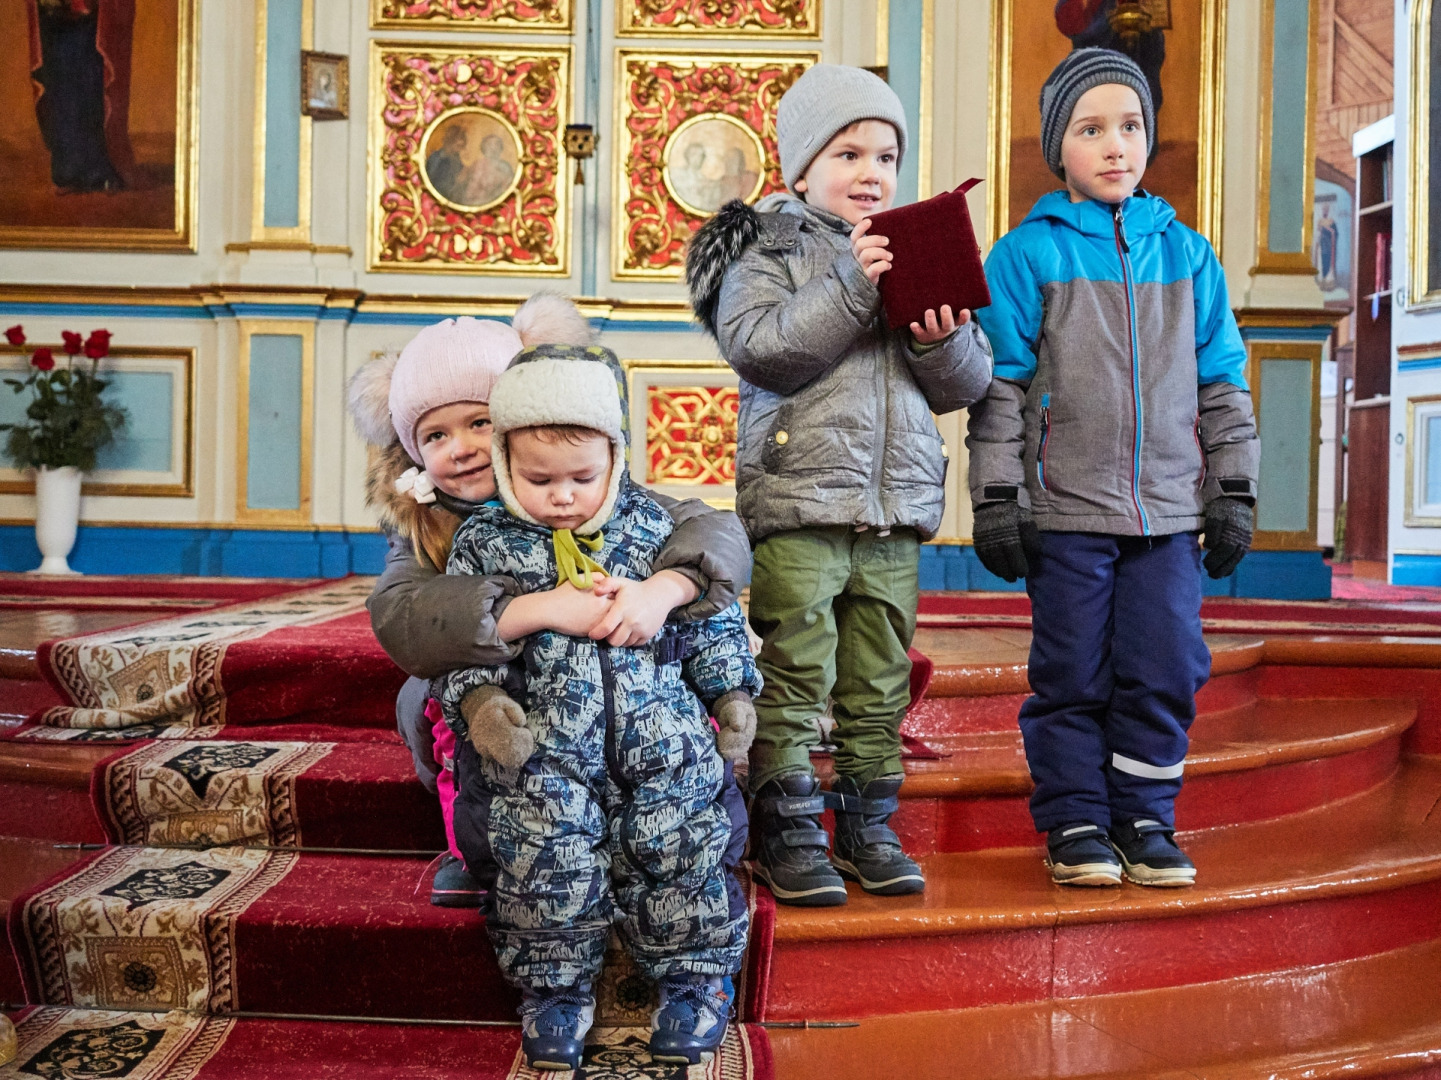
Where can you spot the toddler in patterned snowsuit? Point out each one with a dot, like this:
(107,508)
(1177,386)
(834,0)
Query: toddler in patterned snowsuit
(599,788)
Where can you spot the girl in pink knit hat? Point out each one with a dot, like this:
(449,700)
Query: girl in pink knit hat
(426,413)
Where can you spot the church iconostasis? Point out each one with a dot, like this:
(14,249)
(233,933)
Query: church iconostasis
(555,15)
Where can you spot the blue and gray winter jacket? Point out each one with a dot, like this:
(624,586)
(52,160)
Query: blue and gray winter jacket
(1119,403)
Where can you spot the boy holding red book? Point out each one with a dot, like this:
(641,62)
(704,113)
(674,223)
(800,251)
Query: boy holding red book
(1117,428)
(839,475)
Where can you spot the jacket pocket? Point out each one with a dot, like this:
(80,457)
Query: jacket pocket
(1045,441)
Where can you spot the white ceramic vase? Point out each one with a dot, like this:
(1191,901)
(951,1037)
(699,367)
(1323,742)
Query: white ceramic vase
(57,516)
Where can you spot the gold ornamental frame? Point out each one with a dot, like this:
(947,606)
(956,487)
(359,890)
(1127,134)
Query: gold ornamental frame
(674,139)
(182,236)
(1210,119)
(634,19)
(1411,519)
(624,142)
(506,55)
(444,15)
(185,487)
(676,374)
(434,126)
(1421,293)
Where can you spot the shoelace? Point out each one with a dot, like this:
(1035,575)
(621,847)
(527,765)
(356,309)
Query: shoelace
(566,1006)
(685,1002)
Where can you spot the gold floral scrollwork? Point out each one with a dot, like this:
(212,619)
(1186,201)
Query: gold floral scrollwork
(690,434)
(473,14)
(758,18)
(466,159)
(698,126)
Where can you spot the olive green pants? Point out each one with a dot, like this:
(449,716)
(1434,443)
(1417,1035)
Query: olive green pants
(836,610)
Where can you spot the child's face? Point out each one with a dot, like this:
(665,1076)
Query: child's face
(559,483)
(1104,148)
(454,443)
(855,175)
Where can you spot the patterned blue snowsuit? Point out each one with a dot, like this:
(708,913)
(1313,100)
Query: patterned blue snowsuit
(625,785)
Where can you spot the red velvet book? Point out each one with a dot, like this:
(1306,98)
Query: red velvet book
(935,258)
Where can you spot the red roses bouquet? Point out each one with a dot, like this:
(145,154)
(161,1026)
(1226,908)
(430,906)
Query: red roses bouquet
(67,420)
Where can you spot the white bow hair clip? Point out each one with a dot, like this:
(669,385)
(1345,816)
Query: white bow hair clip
(418,483)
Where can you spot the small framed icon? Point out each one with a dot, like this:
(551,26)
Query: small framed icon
(324,85)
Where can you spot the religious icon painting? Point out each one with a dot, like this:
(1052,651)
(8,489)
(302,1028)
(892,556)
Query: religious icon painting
(1178,47)
(695,131)
(324,85)
(739,18)
(528,15)
(98,122)
(465,162)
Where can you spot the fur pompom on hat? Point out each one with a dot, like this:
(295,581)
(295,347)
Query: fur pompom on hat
(828,98)
(562,385)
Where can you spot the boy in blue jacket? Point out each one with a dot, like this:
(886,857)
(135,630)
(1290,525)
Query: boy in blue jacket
(1117,427)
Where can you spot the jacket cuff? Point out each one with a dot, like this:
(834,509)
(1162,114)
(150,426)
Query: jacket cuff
(1229,487)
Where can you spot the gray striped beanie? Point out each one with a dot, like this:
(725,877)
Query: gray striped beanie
(824,100)
(1077,73)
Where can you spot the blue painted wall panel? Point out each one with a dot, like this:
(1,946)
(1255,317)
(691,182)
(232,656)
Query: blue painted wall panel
(907,21)
(1290,55)
(273,439)
(282,113)
(1284,489)
(145,441)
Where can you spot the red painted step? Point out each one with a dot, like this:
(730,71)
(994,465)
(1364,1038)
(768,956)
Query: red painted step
(1356,877)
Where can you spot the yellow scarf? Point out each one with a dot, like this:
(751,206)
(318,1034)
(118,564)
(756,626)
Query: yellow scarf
(576,566)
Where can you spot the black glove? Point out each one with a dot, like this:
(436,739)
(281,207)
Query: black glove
(1006,538)
(1229,525)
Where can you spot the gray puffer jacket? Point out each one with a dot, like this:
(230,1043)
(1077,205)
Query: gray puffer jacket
(835,408)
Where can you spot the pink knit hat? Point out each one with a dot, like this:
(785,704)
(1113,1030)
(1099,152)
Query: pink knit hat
(454,360)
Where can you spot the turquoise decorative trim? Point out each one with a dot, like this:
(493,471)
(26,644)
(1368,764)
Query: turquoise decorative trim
(103,549)
(282,113)
(1290,56)
(907,23)
(1319,332)
(1416,569)
(1425,363)
(273,450)
(1274,575)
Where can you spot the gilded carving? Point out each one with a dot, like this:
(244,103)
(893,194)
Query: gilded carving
(473,14)
(695,130)
(760,18)
(466,159)
(690,434)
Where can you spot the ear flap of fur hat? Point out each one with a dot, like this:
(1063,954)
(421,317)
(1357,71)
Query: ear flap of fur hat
(555,385)
(548,318)
(368,395)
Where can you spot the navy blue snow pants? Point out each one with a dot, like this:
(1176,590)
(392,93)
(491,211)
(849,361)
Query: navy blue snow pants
(1116,661)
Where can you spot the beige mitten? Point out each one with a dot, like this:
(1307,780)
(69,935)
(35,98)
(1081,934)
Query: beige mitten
(737,719)
(497,726)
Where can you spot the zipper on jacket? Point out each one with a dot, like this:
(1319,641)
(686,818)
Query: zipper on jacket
(1196,430)
(1123,250)
(1045,436)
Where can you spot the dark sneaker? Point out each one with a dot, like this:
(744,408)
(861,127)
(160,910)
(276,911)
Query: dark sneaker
(1081,854)
(867,850)
(1149,853)
(790,845)
(553,1024)
(453,885)
(694,1010)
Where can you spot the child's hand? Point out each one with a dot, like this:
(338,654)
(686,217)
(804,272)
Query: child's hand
(573,611)
(939,329)
(638,609)
(870,251)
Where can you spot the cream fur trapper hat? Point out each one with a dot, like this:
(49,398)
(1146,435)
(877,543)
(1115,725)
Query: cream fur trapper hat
(562,385)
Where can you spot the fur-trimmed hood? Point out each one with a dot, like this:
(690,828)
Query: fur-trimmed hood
(775,221)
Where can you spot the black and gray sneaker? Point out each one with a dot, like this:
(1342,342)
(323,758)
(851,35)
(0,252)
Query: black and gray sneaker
(790,845)
(867,850)
(1149,853)
(1081,854)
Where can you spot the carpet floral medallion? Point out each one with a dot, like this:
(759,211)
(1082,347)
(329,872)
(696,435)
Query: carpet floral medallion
(71,1044)
(206,794)
(143,928)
